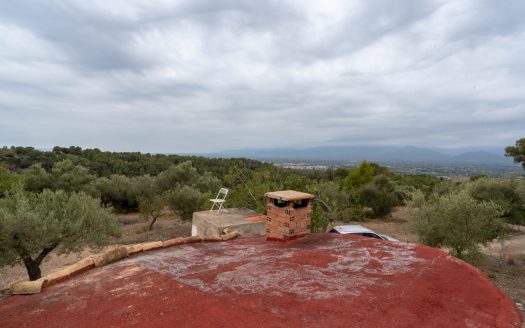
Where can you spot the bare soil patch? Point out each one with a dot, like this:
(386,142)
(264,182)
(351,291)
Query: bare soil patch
(135,229)
(508,273)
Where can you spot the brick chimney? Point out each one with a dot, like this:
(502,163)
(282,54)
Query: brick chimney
(288,214)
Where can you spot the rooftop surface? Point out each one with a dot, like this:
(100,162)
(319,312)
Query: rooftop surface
(322,280)
(289,195)
(230,216)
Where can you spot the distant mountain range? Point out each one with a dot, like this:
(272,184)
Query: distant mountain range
(386,154)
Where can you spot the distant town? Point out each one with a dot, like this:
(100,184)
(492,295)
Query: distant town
(448,170)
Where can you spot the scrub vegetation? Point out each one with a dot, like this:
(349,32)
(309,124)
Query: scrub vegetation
(64,199)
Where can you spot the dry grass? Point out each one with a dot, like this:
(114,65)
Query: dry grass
(135,229)
(508,273)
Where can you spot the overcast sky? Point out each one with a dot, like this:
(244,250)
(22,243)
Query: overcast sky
(199,76)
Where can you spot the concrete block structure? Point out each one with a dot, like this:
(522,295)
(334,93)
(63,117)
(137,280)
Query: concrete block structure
(210,224)
(288,214)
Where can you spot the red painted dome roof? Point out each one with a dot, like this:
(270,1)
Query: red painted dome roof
(321,280)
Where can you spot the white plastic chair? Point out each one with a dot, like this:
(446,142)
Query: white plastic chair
(219,201)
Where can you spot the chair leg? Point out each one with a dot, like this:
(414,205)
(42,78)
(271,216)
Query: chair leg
(211,210)
(220,207)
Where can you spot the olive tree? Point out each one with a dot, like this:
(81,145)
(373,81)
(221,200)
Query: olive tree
(7,180)
(119,191)
(504,192)
(67,176)
(33,225)
(151,208)
(208,183)
(186,200)
(36,179)
(181,187)
(455,220)
(183,174)
(64,175)
(330,201)
(247,188)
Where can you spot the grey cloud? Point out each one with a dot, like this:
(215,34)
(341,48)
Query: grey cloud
(486,17)
(371,21)
(91,40)
(211,75)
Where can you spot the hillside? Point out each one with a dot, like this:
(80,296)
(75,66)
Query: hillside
(405,154)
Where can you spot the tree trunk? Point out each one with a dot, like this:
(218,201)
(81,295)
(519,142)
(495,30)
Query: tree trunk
(328,210)
(152,223)
(33,266)
(33,270)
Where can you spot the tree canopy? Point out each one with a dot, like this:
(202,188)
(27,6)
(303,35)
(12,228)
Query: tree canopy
(455,220)
(34,224)
(517,152)
(7,180)
(104,163)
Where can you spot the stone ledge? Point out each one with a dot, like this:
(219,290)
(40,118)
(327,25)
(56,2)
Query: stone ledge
(65,273)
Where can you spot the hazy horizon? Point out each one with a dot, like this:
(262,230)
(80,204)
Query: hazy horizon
(444,150)
(209,76)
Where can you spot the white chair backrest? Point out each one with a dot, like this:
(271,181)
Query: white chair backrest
(222,191)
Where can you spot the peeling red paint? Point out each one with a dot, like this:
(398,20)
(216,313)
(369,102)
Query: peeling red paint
(321,280)
(256,218)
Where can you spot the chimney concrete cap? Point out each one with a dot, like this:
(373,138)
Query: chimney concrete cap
(289,195)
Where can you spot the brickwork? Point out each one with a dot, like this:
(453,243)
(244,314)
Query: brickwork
(285,223)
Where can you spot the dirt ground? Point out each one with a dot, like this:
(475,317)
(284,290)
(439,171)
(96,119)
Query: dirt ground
(394,225)
(134,230)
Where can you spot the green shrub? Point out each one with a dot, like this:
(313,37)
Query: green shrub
(119,191)
(175,176)
(64,175)
(357,213)
(363,174)
(504,192)
(186,200)
(320,219)
(406,183)
(36,179)
(457,221)
(7,180)
(70,177)
(379,195)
